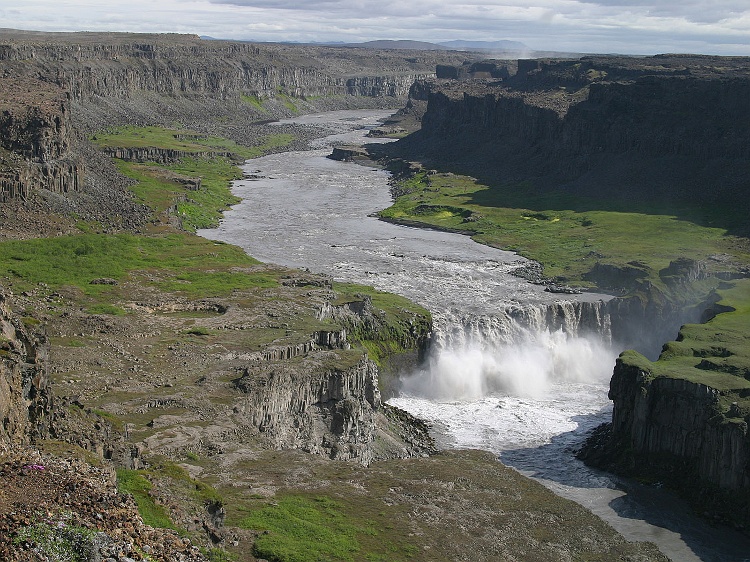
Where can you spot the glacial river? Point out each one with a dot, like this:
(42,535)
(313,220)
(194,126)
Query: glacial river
(498,377)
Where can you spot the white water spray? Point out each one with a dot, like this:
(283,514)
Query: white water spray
(518,352)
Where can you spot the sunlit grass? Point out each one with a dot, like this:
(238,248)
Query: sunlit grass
(185,264)
(559,232)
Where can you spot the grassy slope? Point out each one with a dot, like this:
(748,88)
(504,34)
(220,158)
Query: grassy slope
(159,186)
(178,263)
(569,236)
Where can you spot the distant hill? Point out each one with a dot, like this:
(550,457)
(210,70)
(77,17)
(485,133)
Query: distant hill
(400,44)
(502,45)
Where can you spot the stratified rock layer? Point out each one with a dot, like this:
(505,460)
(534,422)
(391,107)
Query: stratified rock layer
(664,128)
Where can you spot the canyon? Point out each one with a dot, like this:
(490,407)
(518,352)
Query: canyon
(294,368)
(653,135)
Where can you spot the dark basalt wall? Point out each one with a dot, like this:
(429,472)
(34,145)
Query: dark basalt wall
(655,128)
(35,140)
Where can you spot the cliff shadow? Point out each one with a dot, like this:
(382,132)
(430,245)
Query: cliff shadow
(623,502)
(713,193)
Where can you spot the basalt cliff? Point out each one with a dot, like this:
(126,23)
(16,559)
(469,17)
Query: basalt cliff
(659,129)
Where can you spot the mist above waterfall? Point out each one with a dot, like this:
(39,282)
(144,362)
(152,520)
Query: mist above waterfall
(520,352)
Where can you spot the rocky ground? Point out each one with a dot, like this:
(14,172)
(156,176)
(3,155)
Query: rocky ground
(55,508)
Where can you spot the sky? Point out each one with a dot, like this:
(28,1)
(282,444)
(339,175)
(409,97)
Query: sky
(720,27)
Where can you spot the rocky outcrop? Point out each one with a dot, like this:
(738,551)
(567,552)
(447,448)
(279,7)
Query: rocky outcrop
(299,400)
(347,153)
(334,412)
(679,431)
(25,397)
(36,135)
(330,412)
(160,155)
(679,421)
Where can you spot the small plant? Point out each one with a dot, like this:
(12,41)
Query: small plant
(217,554)
(134,483)
(58,541)
(104,308)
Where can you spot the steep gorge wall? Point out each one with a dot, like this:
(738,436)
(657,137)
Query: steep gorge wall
(186,66)
(25,397)
(656,128)
(678,426)
(36,139)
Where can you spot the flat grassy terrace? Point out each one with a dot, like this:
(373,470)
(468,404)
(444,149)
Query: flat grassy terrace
(565,234)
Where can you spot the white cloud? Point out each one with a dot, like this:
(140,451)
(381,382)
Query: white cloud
(625,26)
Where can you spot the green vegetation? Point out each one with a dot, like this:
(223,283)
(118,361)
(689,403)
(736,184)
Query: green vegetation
(287,101)
(567,235)
(176,262)
(303,528)
(198,185)
(105,308)
(58,541)
(254,101)
(135,483)
(715,353)
(183,140)
(178,482)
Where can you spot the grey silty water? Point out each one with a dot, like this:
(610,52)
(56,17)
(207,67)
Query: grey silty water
(530,400)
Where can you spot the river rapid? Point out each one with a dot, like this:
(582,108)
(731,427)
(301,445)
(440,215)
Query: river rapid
(512,369)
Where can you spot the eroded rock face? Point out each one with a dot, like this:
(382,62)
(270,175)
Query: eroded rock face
(674,429)
(36,135)
(25,397)
(661,128)
(331,412)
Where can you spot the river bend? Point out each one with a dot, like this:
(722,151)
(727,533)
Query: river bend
(499,377)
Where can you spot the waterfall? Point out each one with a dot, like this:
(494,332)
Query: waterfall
(518,351)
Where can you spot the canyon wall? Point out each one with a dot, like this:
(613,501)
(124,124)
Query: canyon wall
(25,397)
(679,426)
(123,65)
(642,129)
(36,139)
(55,83)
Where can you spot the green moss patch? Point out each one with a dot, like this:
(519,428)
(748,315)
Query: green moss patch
(176,262)
(135,483)
(302,528)
(569,236)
